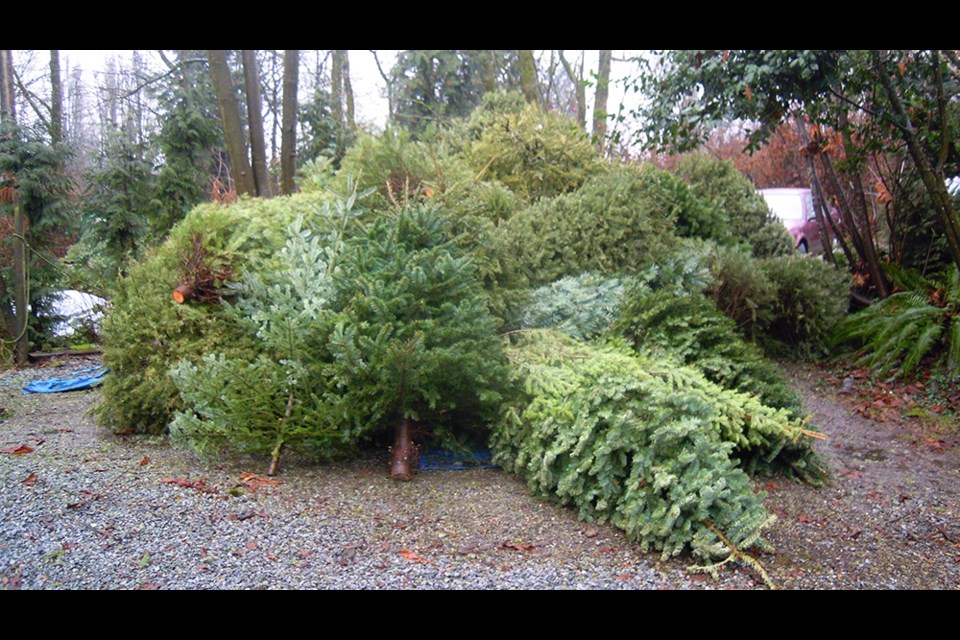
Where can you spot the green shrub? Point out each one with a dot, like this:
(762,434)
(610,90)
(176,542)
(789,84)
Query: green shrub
(638,442)
(616,223)
(535,154)
(145,332)
(459,134)
(895,334)
(582,307)
(728,194)
(740,289)
(772,240)
(688,327)
(399,170)
(810,298)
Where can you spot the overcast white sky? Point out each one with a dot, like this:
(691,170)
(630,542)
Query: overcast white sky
(368,85)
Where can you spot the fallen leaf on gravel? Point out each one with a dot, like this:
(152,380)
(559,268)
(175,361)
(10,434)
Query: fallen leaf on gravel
(67,546)
(623,576)
(13,583)
(252,482)
(148,586)
(855,535)
(200,485)
(146,460)
(246,515)
(873,495)
(607,550)
(803,518)
(17,449)
(772,486)
(518,547)
(30,480)
(251,546)
(591,532)
(853,473)
(86,497)
(413,556)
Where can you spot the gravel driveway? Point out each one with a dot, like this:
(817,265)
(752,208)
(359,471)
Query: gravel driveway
(86,510)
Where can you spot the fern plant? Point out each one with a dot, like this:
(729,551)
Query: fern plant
(895,334)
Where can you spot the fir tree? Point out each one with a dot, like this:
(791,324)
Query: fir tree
(415,345)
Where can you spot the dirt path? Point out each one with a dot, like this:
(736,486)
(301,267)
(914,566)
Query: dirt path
(890,517)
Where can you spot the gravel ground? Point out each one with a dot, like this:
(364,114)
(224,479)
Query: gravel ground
(88,510)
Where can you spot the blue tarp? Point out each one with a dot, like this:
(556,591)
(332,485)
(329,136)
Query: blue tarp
(84,379)
(435,459)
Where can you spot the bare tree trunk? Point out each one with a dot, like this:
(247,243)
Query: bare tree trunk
(258,145)
(860,201)
(819,206)
(56,98)
(865,252)
(288,136)
(348,90)
(8,113)
(600,99)
(232,126)
(488,70)
(21,350)
(404,455)
(577,80)
(8,104)
(336,89)
(389,85)
(528,75)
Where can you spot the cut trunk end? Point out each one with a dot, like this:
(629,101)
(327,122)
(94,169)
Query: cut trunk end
(182,293)
(405,455)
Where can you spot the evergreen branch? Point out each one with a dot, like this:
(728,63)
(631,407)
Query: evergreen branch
(735,554)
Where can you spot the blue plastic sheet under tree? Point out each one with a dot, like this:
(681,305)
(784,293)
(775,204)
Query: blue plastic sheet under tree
(83,379)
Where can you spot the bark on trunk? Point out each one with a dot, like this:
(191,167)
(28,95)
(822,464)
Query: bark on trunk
(258,145)
(336,89)
(819,206)
(405,454)
(8,110)
(528,75)
(600,99)
(21,349)
(56,98)
(577,81)
(860,199)
(866,252)
(232,125)
(288,135)
(348,89)
(386,82)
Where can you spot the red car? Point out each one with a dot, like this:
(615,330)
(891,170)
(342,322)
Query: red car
(794,207)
